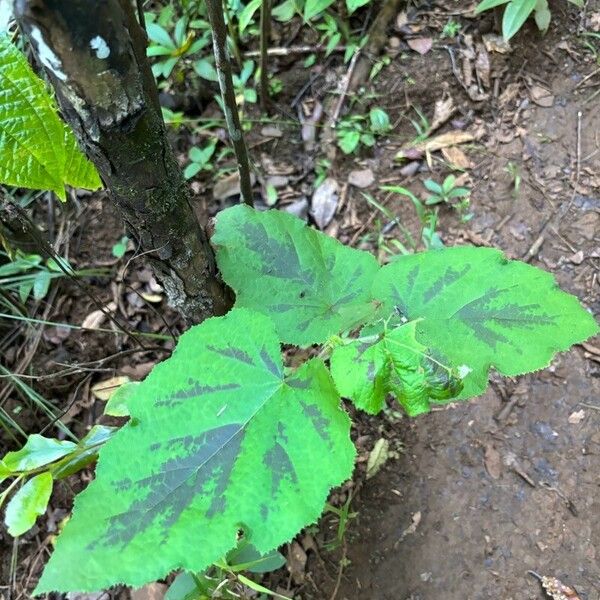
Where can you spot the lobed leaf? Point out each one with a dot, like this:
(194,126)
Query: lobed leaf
(219,442)
(38,150)
(481,310)
(308,283)
(367,369)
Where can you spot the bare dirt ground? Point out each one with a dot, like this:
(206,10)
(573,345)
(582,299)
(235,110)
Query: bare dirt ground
(481,492)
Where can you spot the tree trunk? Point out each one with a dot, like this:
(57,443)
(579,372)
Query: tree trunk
(95,56)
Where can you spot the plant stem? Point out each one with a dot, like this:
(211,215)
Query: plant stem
(265,33)
(214,9)
(233,34)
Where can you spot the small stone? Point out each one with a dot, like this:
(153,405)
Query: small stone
(362,178)
(271,131)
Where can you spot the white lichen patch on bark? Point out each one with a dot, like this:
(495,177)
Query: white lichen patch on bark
(100,47)
(46,54)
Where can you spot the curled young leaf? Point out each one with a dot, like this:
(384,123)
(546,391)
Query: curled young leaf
(392,361)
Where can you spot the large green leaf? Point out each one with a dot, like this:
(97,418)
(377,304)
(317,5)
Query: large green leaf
(515,14)
(480,310)
(28,504)
(219,442)
(308,283)
(37,149)
(392,361)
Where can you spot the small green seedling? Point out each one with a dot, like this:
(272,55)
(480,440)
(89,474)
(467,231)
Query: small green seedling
(516,12)
(200,159)
(119,249)
(446,192)
(515,173)
(451,29)
(172,47)
(354,130)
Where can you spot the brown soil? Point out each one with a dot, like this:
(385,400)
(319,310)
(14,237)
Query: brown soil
(484,491)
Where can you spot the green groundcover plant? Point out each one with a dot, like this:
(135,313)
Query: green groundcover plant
(224,446)
(224,441)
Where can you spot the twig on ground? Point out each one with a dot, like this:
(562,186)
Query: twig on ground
(293,50)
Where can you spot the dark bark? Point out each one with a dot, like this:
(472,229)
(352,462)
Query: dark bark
(95,56)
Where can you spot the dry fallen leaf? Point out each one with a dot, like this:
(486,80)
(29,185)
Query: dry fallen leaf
(296,562)
(444,140)
(541,96)
(97,317)
(456,158)
(229,186)
(496,43)
(410,530)
(443,110)
(576,417)
(105,389)
(493,462)
(324,202)
(555,588)
(422,45)
(378,457)
(152,591)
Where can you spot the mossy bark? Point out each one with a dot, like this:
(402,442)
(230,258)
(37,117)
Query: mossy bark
(95,56)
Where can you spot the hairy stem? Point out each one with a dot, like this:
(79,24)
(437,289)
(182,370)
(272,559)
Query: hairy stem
(95,56)
(214,9)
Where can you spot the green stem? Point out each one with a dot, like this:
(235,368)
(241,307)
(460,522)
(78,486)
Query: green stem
(214,9)
(265,33)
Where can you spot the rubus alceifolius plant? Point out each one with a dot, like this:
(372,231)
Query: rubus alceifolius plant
(225,442)
(38,149)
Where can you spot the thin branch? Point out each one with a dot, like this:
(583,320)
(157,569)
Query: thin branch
(214,8)
(265,34)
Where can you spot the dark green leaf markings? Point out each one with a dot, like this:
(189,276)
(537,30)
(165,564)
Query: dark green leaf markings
(481,310)
(308,283)
(219,441)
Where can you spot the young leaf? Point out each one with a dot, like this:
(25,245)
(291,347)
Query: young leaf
(159,35)
(313,7)
(367,369)
(28,504)
(37,452)
(542,15)
(85,453)
(247,14)
(515,14)
(307,282)
(353,5)
(489,4)
(480,310)
(38,150)
(220,442)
